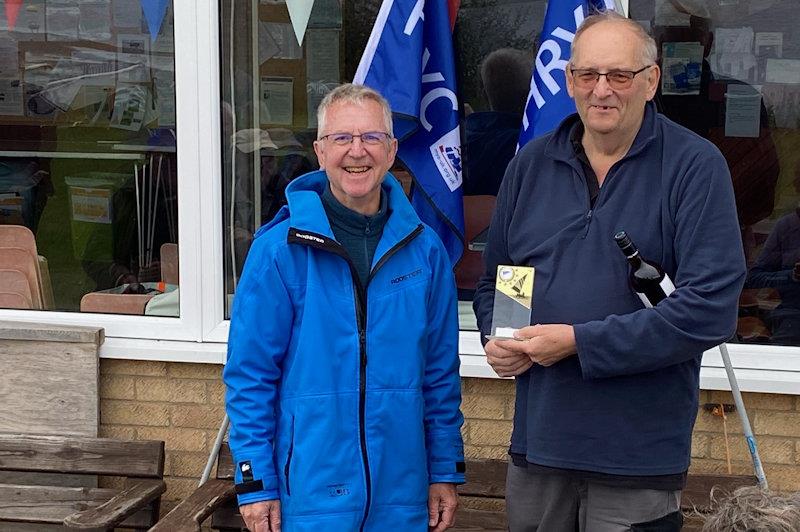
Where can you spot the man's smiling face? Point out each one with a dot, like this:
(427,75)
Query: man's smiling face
(605,47)
(355,170)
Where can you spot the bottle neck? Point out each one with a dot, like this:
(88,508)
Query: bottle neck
(633,257)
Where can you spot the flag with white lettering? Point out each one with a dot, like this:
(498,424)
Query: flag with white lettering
(548,102)
(409,59)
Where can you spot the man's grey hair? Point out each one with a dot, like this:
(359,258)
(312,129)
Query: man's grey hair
(751,509)
(506,76)
(648,52)
(355,94)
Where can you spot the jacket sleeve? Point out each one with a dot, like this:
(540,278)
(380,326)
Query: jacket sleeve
(258,339)
(442,381)
(709,274)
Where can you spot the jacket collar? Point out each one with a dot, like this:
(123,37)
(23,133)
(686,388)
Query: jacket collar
(559,146)
(306,212)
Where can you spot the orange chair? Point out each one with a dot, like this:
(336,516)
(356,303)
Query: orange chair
(169,263)
(21,260)
(14,290)
(21,238)
(109,303)
(478,212)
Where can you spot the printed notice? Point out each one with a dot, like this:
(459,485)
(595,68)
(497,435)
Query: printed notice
(277,100)
(783,71)
(90,204)
(742,111)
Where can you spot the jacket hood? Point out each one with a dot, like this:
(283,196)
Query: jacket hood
(305,211)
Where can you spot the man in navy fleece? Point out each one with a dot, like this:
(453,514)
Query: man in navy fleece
(607,390)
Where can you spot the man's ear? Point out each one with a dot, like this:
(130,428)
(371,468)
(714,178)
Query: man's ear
(320,151)
(570,81)
(653,78)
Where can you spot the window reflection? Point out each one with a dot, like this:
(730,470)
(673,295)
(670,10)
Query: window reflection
(88,178)
(725,76)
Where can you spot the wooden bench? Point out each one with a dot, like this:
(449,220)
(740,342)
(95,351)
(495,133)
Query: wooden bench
(135,506)
(481,505)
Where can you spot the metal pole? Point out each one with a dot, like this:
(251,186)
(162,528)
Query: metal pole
(217,444)
(748,432)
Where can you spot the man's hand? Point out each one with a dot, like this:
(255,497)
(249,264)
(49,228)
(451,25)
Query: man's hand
(543,344)
(442,504)
(505,361)
(264,516)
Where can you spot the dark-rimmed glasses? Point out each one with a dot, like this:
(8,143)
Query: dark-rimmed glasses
(617,79)
(370,137)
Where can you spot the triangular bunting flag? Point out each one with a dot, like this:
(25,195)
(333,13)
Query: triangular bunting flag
(12,10)
(154,11)
(299,13)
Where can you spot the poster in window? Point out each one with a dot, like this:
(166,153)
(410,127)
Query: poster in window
(133,58)
(62,20)
(95,21)
(91,205)
(683,65)
(277,100)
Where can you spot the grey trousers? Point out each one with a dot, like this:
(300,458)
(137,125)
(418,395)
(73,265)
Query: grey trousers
(559,503)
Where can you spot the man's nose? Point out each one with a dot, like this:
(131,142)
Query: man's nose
(602,88)
(356,148)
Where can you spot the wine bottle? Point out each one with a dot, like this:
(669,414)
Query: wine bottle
(647,278)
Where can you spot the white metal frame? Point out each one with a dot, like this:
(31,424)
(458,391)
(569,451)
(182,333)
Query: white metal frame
(201,332)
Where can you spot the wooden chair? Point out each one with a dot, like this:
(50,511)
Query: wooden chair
(485,489)
(135,506)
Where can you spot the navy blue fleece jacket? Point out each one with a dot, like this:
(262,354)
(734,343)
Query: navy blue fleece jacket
(626,404)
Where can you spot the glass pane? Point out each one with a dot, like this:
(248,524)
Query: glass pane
(271,89)
(88,177)
(731,73)
(494,47)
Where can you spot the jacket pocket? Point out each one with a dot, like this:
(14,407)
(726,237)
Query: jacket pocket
(288,464)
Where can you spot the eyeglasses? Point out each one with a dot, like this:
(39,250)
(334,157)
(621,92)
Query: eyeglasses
(616,79)
(370,137)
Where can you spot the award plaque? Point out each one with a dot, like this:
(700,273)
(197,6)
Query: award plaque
(513,297)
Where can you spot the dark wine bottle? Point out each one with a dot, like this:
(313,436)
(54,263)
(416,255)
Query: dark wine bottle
(647,278)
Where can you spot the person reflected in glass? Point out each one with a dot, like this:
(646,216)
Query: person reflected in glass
(342,378)
(752,161)
(491,136)
(778,267)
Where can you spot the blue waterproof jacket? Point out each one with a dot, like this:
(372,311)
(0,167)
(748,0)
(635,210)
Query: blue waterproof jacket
(344,399)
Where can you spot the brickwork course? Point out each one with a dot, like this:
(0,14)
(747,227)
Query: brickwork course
(183,404)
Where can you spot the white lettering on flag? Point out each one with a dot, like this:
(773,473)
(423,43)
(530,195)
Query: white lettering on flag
(416,15)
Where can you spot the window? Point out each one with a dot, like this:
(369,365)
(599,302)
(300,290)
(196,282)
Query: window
(88,173)
(730,74)
(273,86)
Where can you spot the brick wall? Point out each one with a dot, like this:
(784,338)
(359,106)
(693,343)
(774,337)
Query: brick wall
(182,404)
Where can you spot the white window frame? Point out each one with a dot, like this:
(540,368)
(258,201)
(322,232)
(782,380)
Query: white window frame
(201,332)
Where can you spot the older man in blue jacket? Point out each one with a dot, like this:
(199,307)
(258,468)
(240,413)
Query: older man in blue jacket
(607,390)
(342,377)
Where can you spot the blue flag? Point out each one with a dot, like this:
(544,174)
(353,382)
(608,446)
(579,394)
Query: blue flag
(154,11)
(548,102)
(409,59)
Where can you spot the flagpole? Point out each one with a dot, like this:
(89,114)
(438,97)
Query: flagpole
(748,431)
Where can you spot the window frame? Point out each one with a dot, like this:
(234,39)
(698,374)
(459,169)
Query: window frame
(200,334)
